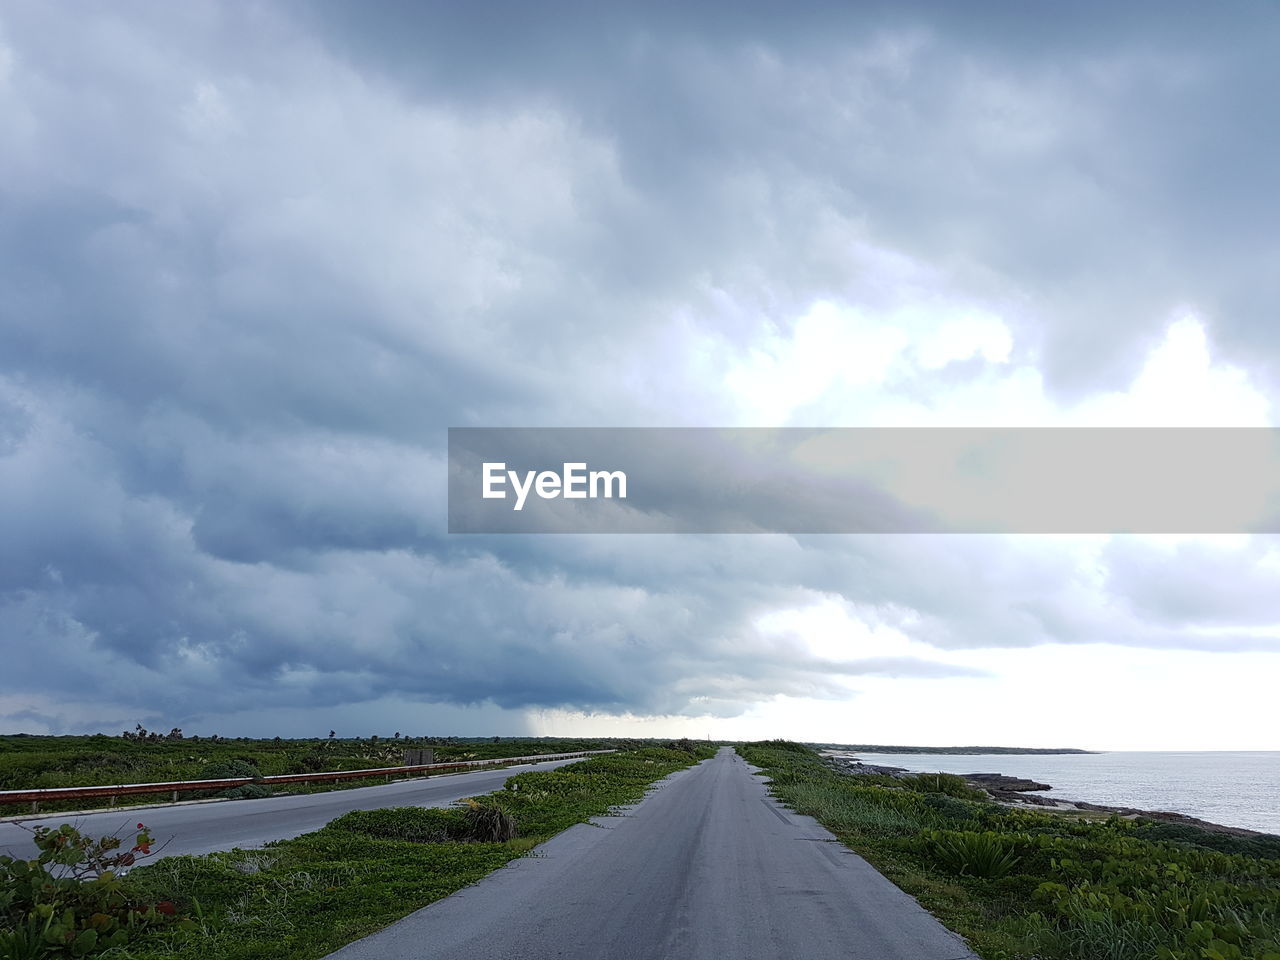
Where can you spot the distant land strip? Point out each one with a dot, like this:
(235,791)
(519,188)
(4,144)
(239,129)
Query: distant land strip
(882,748)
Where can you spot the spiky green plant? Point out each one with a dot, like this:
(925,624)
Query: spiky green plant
(488,824)
(971,854)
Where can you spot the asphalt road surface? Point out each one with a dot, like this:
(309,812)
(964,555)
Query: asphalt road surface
(206,827)
(707,866)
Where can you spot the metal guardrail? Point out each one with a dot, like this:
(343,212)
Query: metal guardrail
(49,794)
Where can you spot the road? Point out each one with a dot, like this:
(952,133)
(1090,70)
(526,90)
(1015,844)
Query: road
(205,827)
(706,866)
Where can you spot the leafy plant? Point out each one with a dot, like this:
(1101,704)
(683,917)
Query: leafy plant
(26,940)
(70,901)
(971,854)
(486,823)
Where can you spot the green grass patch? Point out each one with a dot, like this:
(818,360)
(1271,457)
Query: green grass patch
(1030,885)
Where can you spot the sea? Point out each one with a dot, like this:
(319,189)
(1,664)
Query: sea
(1238,789)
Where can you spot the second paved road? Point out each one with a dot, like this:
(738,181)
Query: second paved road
(707,866)
(205,827)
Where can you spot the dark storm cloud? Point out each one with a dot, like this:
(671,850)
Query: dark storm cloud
(254,260)
(1104,163)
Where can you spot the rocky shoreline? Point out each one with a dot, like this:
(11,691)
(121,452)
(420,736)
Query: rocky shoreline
(1020,792)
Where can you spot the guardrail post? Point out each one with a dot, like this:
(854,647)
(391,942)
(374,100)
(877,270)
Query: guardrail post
(35,806)
(175,796)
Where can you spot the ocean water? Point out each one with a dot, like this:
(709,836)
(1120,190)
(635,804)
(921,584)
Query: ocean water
(1239,789)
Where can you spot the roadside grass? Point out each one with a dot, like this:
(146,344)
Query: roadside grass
(1029,885)
(850,811)
(301,899)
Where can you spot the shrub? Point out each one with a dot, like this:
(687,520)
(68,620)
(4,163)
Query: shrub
(488,824)
(951,809)
(684,745)
(943,783)
(971,854)
(69,901)
(315,762)
(1262,846)
(229,770)
(789,746)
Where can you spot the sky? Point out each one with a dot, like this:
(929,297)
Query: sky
(256,258)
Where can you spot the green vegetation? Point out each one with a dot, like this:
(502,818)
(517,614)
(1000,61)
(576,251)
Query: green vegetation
(964,853)
(30,762)
(303,898)
(1030,885)
(69,899)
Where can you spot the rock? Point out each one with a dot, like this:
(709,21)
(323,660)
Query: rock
(855,766)
(999,782)
(1169,817)
(1002,796)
